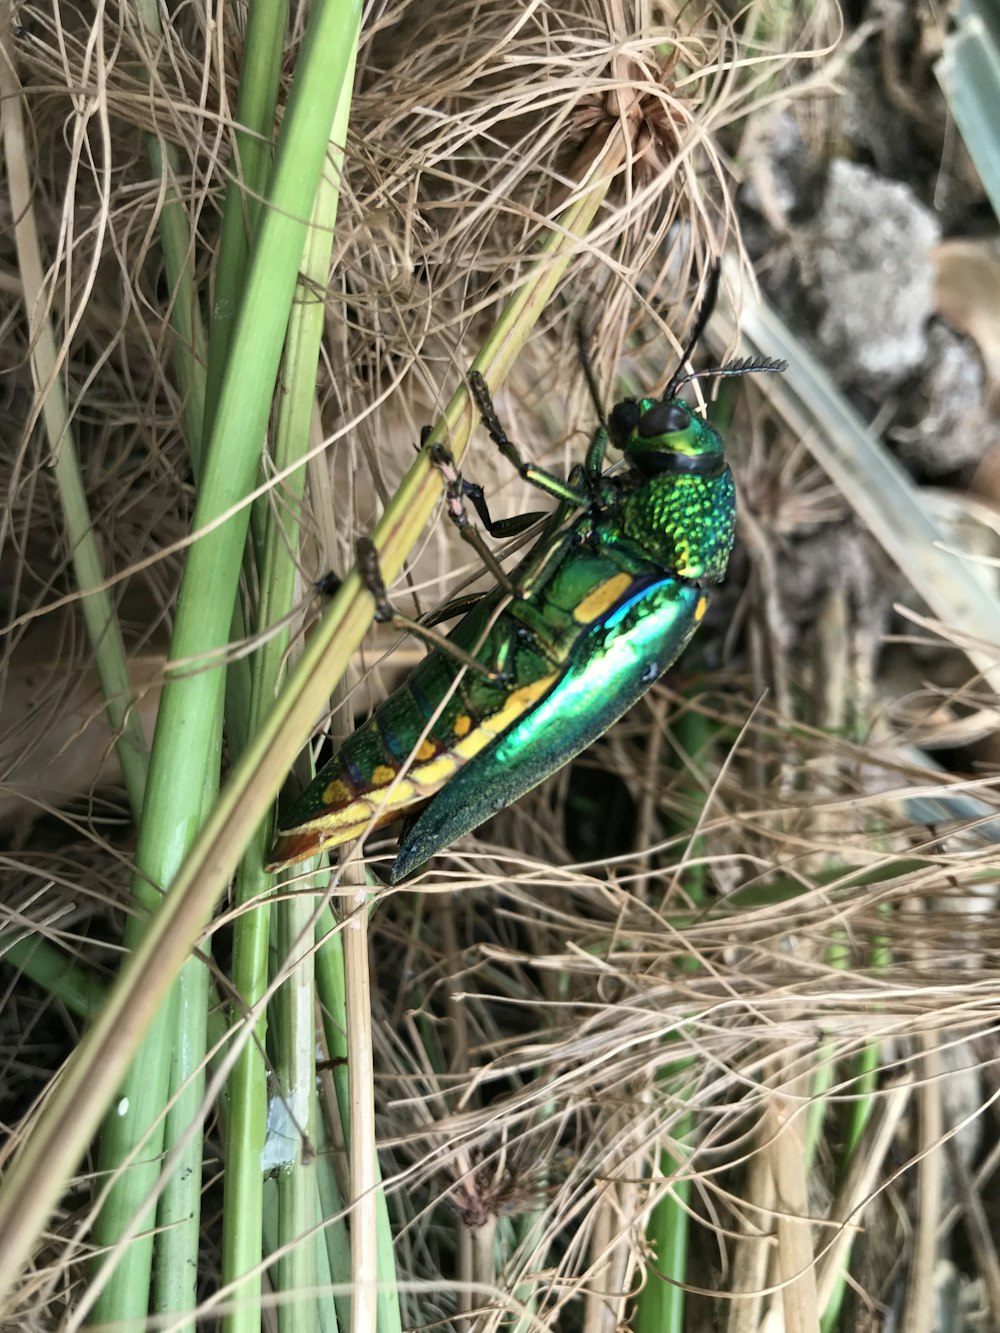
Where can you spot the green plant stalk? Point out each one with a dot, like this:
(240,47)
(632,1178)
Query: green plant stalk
(58,975)
(521,1230)
(178,1210)
(242,1215)
(59,1136)
(295,1038)
(868,1062)
(190,350)
(822,1078)
(820,1082)
(295,1069)
(79,989)
(660,1305)
(327,1310)
(185,761)
(103,631)
(180,1221)
(256,106)
(334,1240)
(242,1222)
(190,347)
(331,988)
(190,343)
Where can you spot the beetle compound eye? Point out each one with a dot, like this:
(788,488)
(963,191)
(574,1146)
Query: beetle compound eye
(624,419)
(664,419)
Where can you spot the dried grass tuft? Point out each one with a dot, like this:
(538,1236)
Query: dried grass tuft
(558,1047)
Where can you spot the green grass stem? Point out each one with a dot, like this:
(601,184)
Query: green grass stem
(331,989)
(862,1107)
(185,760)
(242,1222)
(295,1082)
(58,975)
(91,1078)
(256,106)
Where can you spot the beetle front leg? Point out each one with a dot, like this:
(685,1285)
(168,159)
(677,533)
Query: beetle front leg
(537,476)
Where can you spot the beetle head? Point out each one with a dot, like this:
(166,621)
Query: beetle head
(665,435)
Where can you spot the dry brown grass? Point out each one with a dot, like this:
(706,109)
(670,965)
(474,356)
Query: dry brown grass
(548,1036)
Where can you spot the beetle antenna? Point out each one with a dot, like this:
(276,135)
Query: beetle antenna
(704,315)
(750,365)
(586,366)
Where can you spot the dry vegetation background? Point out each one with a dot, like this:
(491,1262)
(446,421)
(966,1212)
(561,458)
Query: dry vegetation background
(677,970)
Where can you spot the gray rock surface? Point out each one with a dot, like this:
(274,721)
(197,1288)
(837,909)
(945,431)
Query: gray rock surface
(873,262)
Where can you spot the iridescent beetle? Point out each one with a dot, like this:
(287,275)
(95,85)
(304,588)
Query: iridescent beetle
(540,666)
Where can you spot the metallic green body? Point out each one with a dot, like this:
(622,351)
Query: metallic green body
(610,666)
(611,592)
(600,607)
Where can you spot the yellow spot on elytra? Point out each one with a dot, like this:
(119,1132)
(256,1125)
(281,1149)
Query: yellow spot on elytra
(427,751)
(337,792)
(463,725)
(350,815)
(431,777)
(700,608)
(601,599)
(518,702)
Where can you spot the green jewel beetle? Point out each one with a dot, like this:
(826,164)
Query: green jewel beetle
(536,669)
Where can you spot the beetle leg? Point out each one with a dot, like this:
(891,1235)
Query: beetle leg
(456,489)
(385,613)
(499,528)
(453,608)
(595,454)
(328,584)
(537,476)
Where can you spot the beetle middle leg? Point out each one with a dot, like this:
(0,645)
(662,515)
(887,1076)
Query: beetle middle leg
(457,490)
(385,613)
(460,490)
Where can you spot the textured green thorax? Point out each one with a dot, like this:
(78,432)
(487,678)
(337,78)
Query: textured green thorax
(687,523)
(681,509)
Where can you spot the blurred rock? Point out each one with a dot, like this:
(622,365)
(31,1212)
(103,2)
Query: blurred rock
(956,428)
(875,271)
(784,182)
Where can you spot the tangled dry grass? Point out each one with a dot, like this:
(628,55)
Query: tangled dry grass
(672,975)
